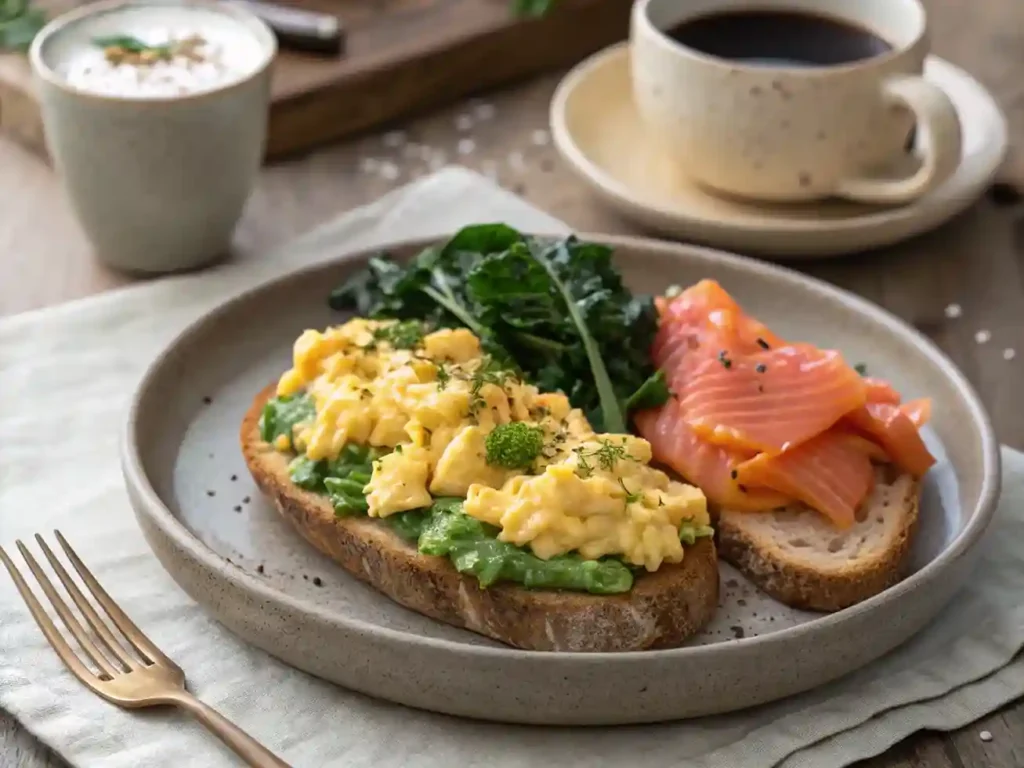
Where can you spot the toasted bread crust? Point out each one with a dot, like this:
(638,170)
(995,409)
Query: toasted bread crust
(661,611)
(800,585)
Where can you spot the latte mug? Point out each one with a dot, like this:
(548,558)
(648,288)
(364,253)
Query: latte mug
(775,129)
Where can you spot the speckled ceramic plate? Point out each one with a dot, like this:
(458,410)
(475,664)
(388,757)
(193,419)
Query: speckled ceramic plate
(226,546)
(601,137)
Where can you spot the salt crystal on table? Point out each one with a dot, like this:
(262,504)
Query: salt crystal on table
(394,138)
(465,146)
(484,111)
(463,123)
(985,736)
(1009,353)
(953,311)
(983,336)
(541,137)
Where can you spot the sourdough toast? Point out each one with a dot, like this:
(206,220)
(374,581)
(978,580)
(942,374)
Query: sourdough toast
(801,559)
(662,610)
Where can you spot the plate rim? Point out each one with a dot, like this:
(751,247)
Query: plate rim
(140,489)
(951,201)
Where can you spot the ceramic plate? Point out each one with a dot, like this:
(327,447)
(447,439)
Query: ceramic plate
(227,547)
(600,135)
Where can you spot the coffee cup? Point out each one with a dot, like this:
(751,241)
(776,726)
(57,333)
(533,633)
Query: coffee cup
(155,114)
(793,100)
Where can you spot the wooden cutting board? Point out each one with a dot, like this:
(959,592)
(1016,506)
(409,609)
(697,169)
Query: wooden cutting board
(402,57)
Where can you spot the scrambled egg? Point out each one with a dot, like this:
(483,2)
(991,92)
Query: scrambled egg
(435,405)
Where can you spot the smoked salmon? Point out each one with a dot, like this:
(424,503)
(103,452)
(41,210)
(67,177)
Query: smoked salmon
(759,422)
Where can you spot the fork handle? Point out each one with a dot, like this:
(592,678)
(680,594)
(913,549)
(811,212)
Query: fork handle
(244,745)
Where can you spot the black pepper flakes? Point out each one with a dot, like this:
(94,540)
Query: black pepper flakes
(723,358)
(734,474)
(207,400)
(234,478)
(246,500)
(238,507)
(259,569)
(742,487)
(737,632)
(318,581)
(760,367)
(211,493)
(762,343)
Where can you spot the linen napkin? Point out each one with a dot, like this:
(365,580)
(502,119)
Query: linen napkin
(66,375)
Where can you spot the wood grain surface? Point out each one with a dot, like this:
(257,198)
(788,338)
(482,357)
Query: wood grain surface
(975,262)
(402,56)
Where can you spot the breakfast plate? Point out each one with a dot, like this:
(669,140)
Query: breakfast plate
(599,133)
(227,547)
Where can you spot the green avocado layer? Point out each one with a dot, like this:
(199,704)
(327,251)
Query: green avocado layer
(443,529)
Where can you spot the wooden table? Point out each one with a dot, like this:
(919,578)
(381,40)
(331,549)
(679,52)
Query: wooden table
(976,262)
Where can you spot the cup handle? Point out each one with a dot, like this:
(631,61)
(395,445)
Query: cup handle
(938,121)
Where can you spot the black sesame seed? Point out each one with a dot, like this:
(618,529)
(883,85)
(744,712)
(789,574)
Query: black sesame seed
(760,367)
(1004,194)
(762,343)
(211,493)
(259,569)
(234,478)
(305,576)
(318,581)
(734,474)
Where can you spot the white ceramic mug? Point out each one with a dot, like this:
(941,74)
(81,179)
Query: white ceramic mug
(782,133)
(158,183)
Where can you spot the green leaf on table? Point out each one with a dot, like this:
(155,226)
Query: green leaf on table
(19,24)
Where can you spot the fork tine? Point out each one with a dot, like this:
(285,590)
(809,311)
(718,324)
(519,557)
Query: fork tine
(135,636)
(73,624)
(50,631)
(116,650)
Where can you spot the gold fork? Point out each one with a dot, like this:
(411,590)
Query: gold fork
(145,678)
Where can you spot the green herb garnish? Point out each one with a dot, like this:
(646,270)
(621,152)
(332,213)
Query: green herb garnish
(406,334)
(514,446)
(130,44)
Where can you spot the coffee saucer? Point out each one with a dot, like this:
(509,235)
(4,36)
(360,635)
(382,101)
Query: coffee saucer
(600,135)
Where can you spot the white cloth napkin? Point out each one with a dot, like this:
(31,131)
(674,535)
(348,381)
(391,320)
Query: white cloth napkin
(65,378)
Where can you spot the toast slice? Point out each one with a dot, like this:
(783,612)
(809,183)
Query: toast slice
(661,611)
(801,559)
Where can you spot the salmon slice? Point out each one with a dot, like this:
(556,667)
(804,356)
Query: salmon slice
(897,433)
(769,401)
(918,411)
(828,473)
(702,320)
(868,447)
(880,391)
(699,462)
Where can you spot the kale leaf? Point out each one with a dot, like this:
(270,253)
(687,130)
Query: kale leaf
(557,312)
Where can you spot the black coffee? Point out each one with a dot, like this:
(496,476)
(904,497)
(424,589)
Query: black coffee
(779,38)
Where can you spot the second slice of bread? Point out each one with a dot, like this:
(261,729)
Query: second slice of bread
(801,559)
